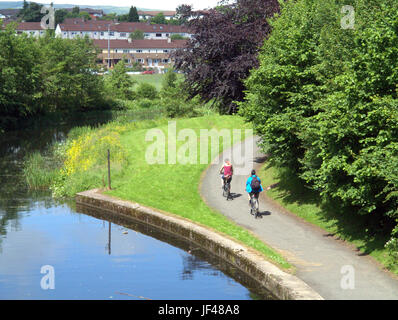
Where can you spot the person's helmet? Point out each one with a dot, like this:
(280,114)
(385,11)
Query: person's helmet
(253,172)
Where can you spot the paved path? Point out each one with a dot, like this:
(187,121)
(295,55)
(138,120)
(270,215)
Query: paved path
(317,257)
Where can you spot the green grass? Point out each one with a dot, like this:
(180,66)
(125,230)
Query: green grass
(154,79)
(305,203)
(175,188)
(39,171)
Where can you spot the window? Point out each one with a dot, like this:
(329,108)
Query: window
(146,35)
(102,33)
(158,35)
(123,34)
(111,33)
(165,60)
(165,51)
(167,34)
(126,51)
(138,51)
(140,60)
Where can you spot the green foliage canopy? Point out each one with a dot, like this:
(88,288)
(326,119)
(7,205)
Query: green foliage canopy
(324,101)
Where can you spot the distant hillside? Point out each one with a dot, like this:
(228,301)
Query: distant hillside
(106,9)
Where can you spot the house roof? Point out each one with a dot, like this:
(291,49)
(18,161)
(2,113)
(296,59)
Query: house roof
(140,44)
(21,26)
(101,25)
(9,12)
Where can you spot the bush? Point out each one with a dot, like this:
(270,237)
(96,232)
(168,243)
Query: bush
(146,103)
(147,91)
(119,84)
(85,159)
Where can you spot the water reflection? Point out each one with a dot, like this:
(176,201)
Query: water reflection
(195,261)
(94,256)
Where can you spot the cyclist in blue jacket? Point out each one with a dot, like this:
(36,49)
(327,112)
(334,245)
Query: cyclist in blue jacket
(253,185)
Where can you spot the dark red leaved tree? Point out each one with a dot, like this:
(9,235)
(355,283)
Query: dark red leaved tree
(223,50)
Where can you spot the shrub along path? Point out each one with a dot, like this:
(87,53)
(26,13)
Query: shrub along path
(321,261)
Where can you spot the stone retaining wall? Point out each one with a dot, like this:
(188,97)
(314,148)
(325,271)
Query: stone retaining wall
(281,284)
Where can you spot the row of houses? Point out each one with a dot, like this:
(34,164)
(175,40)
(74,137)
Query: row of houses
(151,52)
(100,29)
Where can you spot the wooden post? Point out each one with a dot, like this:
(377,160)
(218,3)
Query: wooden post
(109,170)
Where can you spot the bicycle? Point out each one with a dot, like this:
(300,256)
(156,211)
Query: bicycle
(254,205)
(227,189)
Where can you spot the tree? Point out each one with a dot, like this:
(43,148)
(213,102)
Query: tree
(60,16)
(20,80)
(123,18)
(137,34)
(146,91)
(177,36)
(183,13)
(169,80)
(325,102)
(224,49)
(75,10)
(30,12)
(120,82)
(133,15)
(159,19)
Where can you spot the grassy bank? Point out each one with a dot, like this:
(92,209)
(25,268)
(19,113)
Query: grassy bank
(153,79)
(170,187)
(292,195)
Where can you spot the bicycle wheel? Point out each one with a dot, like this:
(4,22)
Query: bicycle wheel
(256,206)
(251,207)
(225,191)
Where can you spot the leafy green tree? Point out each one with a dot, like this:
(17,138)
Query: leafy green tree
(20,80)
(169,80)
(146,90)
(60,16)
(123,18)
(110,16)
(119,82)
(68,71)
(325,102)
(137,35)
(75,10)
(133,15)
(177,36)
(30,12)
(159,19)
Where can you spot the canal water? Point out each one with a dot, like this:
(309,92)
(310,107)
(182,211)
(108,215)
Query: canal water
(50,249)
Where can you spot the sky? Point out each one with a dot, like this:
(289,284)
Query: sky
(147,4)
